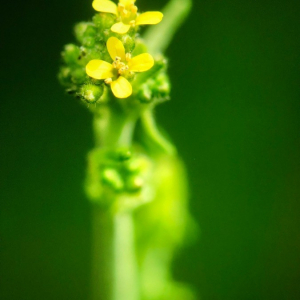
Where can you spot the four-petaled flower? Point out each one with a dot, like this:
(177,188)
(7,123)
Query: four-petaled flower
(126,11)
(123,65)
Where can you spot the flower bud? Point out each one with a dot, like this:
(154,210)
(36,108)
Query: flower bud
(104,21)
(128,43)
(78,76)
(71,54)
(88,42)
(145,94)
(140,47)
(137,165)
(113,179)
(134,184)
(90,31)
(89,36)
(162,85)
(120,155)
(64,76)
(91,93)
(79,30)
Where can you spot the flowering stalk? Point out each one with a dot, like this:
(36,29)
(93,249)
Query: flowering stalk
(135,180)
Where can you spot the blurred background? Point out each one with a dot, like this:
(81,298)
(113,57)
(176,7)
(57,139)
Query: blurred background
(234,116)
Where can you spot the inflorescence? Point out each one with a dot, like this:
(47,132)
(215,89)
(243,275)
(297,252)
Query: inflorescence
(111,59)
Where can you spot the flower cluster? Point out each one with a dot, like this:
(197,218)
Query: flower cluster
(127,13)
(112,54)
(123,64)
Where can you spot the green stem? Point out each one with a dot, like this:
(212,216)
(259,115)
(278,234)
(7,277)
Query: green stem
(125,265)
(114,260)
(126,134)
(159,37)
(102,248)
(154,134)
(114,128)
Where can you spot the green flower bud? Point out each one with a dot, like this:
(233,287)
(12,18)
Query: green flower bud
(88,41)
(130,76)
(89,37)
(133,31)
(145,93)
(104,21)
(90,31)
(91,93)
(163,84)
(71,54)
(78,76)
(140,47)
(113,179)
(134,184)
(121,155)
(79,30)
(128,42)
(97,52)
(146,81)
(157,87)
(64,76)
(137,165)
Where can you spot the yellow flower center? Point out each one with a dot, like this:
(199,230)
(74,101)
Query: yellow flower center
(120,67)
(128,13)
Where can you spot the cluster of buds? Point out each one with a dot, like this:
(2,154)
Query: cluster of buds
(118,172)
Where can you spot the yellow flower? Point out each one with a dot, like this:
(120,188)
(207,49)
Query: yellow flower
(123,65)
(127,14)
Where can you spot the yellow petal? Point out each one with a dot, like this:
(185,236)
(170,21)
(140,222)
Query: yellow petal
(99,69)
(115,48)
(120,28)
(105,6)
(121,88)
(127,2)
(141,63)
(149,18)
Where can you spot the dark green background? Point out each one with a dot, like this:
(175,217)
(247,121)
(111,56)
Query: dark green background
(234,116)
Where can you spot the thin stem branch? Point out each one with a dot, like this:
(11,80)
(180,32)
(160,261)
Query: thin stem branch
(159,37)
(154,134)
(127,132)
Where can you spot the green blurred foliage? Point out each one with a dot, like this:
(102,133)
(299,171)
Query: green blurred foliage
(234,115)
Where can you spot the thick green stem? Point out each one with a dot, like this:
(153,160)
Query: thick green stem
(114,128)
(125,265)
(102,248)
(114,259)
